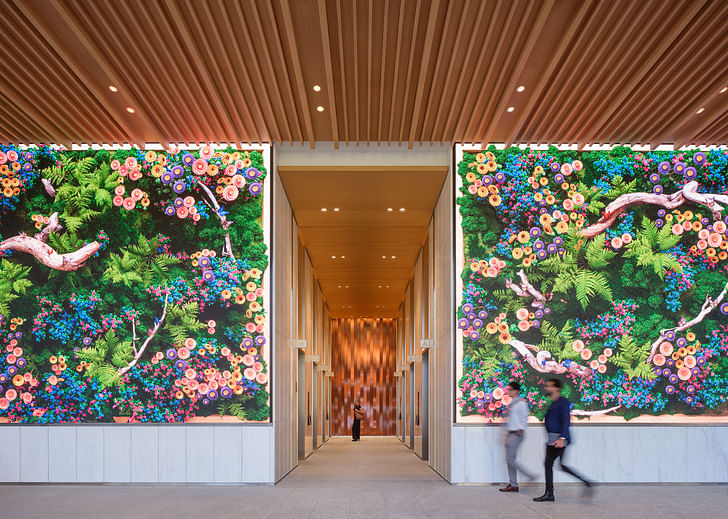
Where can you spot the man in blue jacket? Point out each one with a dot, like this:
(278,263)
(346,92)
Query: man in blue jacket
(557,422)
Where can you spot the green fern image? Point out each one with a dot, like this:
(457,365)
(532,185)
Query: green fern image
(631,358)
(585,283)
(83,192)
(106,357)
(13,282)
(139,263)
(643,247)
(182,321)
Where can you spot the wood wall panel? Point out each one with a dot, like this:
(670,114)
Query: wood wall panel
(363,364)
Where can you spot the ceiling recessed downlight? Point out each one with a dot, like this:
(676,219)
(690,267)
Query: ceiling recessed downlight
(113,88)
(323,209)
(401,209)
(723,90)
(389,209)
(510,109)
(336,209)
(700,110)
(319,108)
(130,110)
(520,89)
(317,88)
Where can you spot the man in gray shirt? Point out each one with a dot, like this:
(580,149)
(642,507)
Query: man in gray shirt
(515,425)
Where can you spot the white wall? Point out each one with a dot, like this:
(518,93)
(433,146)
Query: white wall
(136,453)
(605,453)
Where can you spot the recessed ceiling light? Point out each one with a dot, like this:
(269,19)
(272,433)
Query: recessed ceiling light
(333,257)
(510,108)
(113,88)
(700,110)
(316,88)
(387,286)
(323,209)
(401,209)
(520,89)
(723,90)
(394,257)
(130,109)
(347,286)
(336,209)
(338,286)
(389,209)
(384,257)
(319,108)
(342,257)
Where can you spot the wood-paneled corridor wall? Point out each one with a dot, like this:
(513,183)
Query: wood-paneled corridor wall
(363,364)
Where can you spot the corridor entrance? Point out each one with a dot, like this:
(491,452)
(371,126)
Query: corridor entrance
(362,282)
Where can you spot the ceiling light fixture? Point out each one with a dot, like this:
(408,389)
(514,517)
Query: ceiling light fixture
(394,257)
(723,90)
(380,286)
(384,257)
(510,109)
(319,108)
(113,88)
(401,209)
(333,257)
(316,88)
(130,109)
(323,209)
(700,110)
(338,286)
(342,257)
(520,89)
(336,209)
(389,209)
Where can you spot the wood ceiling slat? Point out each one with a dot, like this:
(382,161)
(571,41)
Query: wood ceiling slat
(591,79)
(397,56)
(509,85)
(370,86)
(484,91)
(275,49)
(297,74)
(219,67)
(536,91)
(250,19)
(711,116)
(410,66)
(66,17)
(58,82)
(64,87)
(342,67)
(21,127)
(180,14)
(692,89)
(441,83)
(382,71)
(653,105)
(131,56)
(275,116)
(604,112)
(472,62)
(330,87)
(244,80)
(160,37)
(558,90)
(423,80)
(715,133)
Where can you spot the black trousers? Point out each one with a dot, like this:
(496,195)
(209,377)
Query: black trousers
(356,429)
(551,454)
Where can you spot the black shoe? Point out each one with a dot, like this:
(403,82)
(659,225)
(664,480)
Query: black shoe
(547,496)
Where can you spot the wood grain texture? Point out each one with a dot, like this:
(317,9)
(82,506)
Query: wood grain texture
(363,364)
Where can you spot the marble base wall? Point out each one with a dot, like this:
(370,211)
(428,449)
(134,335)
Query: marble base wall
(609,454)
(136,454)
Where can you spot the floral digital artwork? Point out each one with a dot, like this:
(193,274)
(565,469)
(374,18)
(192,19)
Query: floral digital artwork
(132,286)
(607,269)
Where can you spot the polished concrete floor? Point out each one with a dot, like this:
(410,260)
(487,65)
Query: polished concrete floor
(375,478)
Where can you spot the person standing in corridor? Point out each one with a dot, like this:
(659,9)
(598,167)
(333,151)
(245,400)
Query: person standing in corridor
(558,418)
(358,417)
(515,425)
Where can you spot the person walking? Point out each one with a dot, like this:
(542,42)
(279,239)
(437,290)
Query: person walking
(358,417)
(558,418)
(515,425)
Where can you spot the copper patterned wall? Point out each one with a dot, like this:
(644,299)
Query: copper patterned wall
(363,364)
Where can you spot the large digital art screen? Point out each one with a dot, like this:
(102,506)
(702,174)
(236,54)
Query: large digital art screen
(132,286)
(607,269)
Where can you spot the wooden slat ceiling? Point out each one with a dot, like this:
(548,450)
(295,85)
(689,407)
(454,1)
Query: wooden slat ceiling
(594,71)
(379,247)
